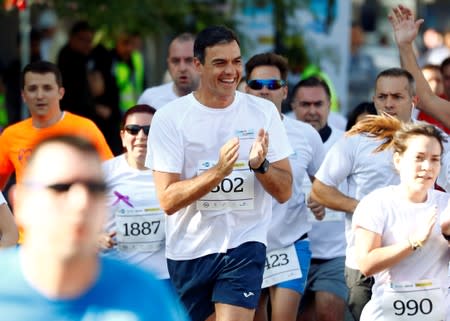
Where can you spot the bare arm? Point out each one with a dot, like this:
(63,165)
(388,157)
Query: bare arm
(406,30)
(332,198)
(8,228)
(372,258)
(277,181)
(174,193)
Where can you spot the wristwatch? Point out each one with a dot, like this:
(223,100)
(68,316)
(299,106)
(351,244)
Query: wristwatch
(262,169)
(415,245)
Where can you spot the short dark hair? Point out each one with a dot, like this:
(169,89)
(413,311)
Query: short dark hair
(42,67)
(445,63)
(212,36)
(312,82)
(80,26)
(361,108)
(267,59)
(142,108)
(398,73)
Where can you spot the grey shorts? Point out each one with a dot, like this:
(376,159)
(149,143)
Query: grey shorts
(328,276)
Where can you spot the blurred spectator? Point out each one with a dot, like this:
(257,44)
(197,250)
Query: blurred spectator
(128,71)
(433,76)
(106,96)
(11,77)
(435,50)
(445,72)
(362,70)
(359,112)
(73,63)
(52,38)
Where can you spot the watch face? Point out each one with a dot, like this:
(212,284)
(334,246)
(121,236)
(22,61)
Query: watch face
(264,166)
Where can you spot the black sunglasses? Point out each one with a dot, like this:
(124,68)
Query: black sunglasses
(135,129)
(94,187)
(271,84)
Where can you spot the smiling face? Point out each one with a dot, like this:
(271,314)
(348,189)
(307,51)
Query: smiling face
(420,163)
(136,145)
(42,94)
(220,74)
(393,96)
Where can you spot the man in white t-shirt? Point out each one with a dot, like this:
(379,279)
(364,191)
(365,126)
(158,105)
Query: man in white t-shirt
(326,292)
(185,78)
(287,240)
(352,159)
(215,174)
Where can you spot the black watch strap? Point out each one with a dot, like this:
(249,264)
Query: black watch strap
(262,169)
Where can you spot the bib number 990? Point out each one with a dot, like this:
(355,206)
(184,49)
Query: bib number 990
(412,307)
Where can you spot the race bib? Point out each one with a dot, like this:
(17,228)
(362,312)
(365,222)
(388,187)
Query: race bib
(281,265)
(421,301)
(140,229)
(236,191)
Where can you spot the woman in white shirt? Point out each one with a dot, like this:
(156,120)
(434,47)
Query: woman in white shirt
(401,231)
(136,224)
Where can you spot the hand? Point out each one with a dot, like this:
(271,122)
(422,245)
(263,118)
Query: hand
(229,153)
(106,241)
(317,209)
(405,28)
(424,227)
(259,149)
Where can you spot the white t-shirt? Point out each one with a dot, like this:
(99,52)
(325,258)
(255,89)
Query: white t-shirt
(352,159)
(2,198)
(135,214)
(394,218)
(158,96)
(327,237)
(335,119)
(289,220)
(186,139)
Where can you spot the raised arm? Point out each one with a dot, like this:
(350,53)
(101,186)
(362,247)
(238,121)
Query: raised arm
(405,30)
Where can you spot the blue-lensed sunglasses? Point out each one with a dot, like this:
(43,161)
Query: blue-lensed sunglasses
(271,84)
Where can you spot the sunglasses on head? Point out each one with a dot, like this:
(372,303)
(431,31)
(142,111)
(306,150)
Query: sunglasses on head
(135,129)
(94,187)
(271,84)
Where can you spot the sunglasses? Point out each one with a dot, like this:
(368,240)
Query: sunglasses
(271,84)
(135,129)
(94,187)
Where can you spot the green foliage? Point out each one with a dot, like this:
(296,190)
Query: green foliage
(145,16)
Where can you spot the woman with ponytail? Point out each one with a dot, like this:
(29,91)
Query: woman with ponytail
(402,231)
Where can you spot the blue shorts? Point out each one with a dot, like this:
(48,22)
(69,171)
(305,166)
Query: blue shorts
(304,258)
(231,278)
(328,276)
